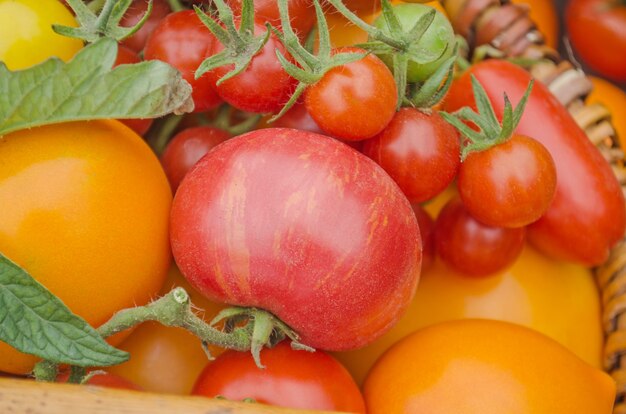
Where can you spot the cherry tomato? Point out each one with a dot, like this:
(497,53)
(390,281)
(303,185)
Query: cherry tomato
(614,99)
(485,367)
(26,35)
(587,216)
(183,41)
(263,86)
(186,148)
(293,379)
(127,56)
(256,223)
(420,151)
(471,247)
(297,117)
(156,349)
(522,294)
(426,225)
(438,39)
(301,13)
(508,185)
(89,204)
(105,379)
(597,30)
(354,101)
(160,9)
(544,14)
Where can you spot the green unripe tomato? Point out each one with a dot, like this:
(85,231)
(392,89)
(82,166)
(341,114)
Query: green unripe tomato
(439,37)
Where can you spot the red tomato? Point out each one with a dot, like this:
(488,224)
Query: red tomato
(597,29)
(263,86)
(127,56)
(426,225)
(301,13)
(160,9)
(293,379)
(105,379)
(472,247)
(186,148)
(183,41)
(508,185)
(298,118)
(303,226)
(354,101)
(420,151)
(587,216)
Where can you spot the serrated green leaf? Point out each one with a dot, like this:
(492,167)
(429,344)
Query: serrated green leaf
(88,88)
(36,322)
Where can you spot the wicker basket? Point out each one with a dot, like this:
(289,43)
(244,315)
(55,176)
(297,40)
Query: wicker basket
(508,28)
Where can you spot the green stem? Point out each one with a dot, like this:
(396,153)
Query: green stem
(46,371)
(176,5)
(164,131)
(105,14)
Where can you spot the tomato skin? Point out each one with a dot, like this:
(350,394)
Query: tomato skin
(427,226)
(587,215)
(186,148)
(86,184)
(354,101)
(420,151)
(591,23)
(471,247)
(264,86)
(105,379)
(26,35)
(508,185)
(160,9)
(265,205)
(183,41)
(293,379)
(301,13)
(485,367)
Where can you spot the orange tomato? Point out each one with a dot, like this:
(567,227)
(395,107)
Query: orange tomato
(544,14)
(166,359)
(85,211)
(614,99)
(485,367)
(555,298)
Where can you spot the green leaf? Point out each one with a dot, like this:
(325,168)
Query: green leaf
(36,322)
(88,88)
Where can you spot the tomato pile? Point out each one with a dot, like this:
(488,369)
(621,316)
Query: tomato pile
(329,174)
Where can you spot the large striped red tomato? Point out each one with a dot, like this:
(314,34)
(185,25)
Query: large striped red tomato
(303,226)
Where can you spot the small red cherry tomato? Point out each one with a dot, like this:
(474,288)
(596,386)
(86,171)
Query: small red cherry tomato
(471,247)
(160,9)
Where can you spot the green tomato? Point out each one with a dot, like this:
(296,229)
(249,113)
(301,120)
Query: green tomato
(438,38)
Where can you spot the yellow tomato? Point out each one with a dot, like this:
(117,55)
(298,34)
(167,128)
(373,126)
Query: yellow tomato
(556,298)
(26,35)
(85,210)
(614,99)
(165,359)
(485,367)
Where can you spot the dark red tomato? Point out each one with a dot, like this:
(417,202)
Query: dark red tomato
(303,226)
(264,86)
(106,379)
(597,30)
(292,379)
(587,216)
(427,226)
(509,185)
(420,151)
(471,247)
(183,41)
(160,9)
(186,148)
(301,13)
(297,117)
(127,56)
(354,101)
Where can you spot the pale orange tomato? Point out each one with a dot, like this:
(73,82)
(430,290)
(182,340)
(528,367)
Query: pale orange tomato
(85,210)
(485,367)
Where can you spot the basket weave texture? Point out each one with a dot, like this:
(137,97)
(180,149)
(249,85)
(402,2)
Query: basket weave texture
(508,28)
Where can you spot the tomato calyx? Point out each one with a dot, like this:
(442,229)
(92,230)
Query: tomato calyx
(240,45)
(491,132)
(93,26)
(429,93)
(311,68)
